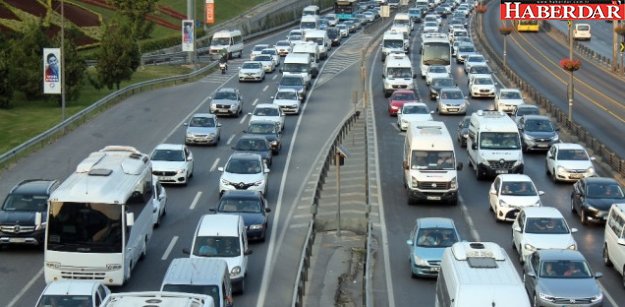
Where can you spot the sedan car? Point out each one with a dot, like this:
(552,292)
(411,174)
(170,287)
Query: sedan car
(568,162)
(474,59)
(397,100)
(243,171)
(283,47)
(561,277)
(413,111)
(479,71)
(343,29)
(538,228)
(537,132)
(251,206)
(295,82)
(427,242)
(274,55)
(267,129)
(482,87)
(203,128)
(462,132)
(439,83)
(464,50)
(251,71)
(435,71)
(268,111)
(509,193)
(87,293)
(288,101)
(508,99)
(430,27)
(267,61)
(257,49)
(227,101)
(172,163)
(592,197)
(159,202)
(255,144)
(451,101)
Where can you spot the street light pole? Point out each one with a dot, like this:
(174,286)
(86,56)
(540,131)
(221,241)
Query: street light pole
(571,86)
(337,161)
(614,46)
(62,60)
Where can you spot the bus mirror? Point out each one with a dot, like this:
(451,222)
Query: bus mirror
(130,219)
(37,219)
(186,251)
(474,146)
(459,166)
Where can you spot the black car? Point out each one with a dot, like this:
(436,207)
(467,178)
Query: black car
(439,83)
(24,212)
(462,133)
(334,35)
(251,206)
(592,197)
(270,130)
(255,144)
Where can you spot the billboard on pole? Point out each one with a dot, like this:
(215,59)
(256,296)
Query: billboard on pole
(52,70)
(188,31)
(210,11)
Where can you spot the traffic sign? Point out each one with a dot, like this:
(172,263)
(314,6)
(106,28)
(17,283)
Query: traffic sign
(622,47)
(570,22)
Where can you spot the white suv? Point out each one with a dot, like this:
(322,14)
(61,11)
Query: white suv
(509,193)
(244,171)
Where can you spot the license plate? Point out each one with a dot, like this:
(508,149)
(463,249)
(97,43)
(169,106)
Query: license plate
(433,198)
(17,240)
(223,110)
(436,269)
(452,110)
(543,145)
(501,171)
(576,176)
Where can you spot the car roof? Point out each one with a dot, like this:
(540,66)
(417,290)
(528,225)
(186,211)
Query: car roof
(543,211)
(534,116)
(501,90)
(267,105)
(208,115)
(515,177)
(261,121)
(415,104)
(169,146)
(568,146)
(244,156)
(600,180)
(287,89)
(559,254)
(451,89)
(33,186)
(527,105)
(432,222)
(252,136)
(249,194)
(71,287)
(227,89)
(401,91)
(253,62)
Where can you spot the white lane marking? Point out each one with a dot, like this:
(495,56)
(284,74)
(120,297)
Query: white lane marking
(195,200)
(214,166)
(274,77)
(302,225)
(394,125)
(26,288)
(243,119)
(255,102)
(469,220)
(607,294)
(230,139)
(170,247)
(265,88)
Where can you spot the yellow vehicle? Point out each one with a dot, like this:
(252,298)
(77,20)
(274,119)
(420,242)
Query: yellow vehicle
(528,26)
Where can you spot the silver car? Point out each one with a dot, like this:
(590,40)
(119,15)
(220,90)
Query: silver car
(251,71)
(451,100)
(427,242)
(227,101)
(561,277)
(203,128)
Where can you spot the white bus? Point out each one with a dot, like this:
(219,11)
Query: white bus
(435,50)
(100,218)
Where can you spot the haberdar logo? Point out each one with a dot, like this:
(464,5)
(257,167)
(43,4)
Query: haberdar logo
(562,9)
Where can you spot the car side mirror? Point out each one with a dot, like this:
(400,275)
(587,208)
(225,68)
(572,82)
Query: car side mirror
(492,191)
(557,128)
(620,241)
(232,147)
(474,146)
(531,274)
(409,242)
(541,193)
(414,76)
(212,210)
(592,158)
(221,169)
(517,228)
(186,251)
(185,124)
(267,170)
(573,230)
(598,275)
(249,113)
(189,158)
(399,111)
(459,166)
(130,219)
(218,124)
(267,210)
(248,252)
(405,164)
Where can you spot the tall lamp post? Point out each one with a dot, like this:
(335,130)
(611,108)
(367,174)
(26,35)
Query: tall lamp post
(505,30)
(62,60)
(571,65)
(619,30)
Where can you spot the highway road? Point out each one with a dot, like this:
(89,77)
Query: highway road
(601,41)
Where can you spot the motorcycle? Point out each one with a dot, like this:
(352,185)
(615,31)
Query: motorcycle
(223,67)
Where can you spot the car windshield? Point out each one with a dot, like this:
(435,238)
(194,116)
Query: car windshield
(476,59)
(604,190)
(168,155)
(394,43)
(436,237)
(465,123)
(431,24)
(283,44)
(527,111)
(451,95)
(266,112)
(249,144)
(499,140)
(538,125)
(226,95)
(244,205)
(220,41)
(466,49)
(295,37)
(205,246)
(479,70)
(546,226)
(259,47)
(202,122)
(418,109)
(405,96)
(432,160)
(291,81)
(572,154)
(437,69)
(399,72)
(483,81)
(565,269)
(269,51)
(288,95)
(243,166)
(261,128)
(518,188)
(65,301)
(251,66)
(510,95)
(263,58)
(25,202)
(443,82)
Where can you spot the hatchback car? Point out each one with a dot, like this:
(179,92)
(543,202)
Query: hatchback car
(592,197)
(283,47)
(474,59)
(413,111)
(462,132)
(435,71)
(561,278)
(568,162)
(267,129)
(397,100)
(478,71)
(295,82)
(334,34)
(269,65)
(343,29)
(203,128)
(227,101)
(267,111)
(464,50)
(451,101)
(508,99)
(87,293)
(439,83)
(509,193)
(257,49)
(172,163)
(427,242)
(525,109)
(537,132)
(288,100)
(430,27)
(252,206)
(251,71)
(244,171)
(255,144)
(541,228)
(273,54)
(482,87)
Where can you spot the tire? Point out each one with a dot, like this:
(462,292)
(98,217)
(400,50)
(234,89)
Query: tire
(572,205)
(521,260)
(534,300)
(553,176)
(606,257)
(241,287)
(582,217)
(145,249)
(478,175)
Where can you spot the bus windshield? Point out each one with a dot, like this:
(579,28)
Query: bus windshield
(436,54)
(85,227)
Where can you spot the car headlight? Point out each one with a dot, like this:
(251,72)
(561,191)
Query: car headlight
(528,137)
(420,262)
(597,298)
(189,134)
(259,182)
(224,181)
(294,106)
(235,271)
(572,246)
(537,203)
(518,162)
(590,170)
(454,183)
(415,182)
(180,171)
(234,106)
(555,138)
(212,135)
(529,247)
(546,297)
(502,203)
(256,226)
(561,169)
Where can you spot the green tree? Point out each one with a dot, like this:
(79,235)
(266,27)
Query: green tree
(6,87)
(136,11)
(119,54)
(74,64)
(27,66)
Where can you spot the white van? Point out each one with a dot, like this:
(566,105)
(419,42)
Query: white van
(309,22)
(430,170)
(494,145)
(320,37)
(201,276)
(614,239)
(392,42)
(397,73)
(231,40)
(582,31)
(298,64)
(478,274)
(403,22)
(310,10)
(157,299)
(312,49)
(223,236)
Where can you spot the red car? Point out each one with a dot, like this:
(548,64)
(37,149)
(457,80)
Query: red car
(398,98)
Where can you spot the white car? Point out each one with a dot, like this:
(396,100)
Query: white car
(332,19)
(568,162)
(482,87)
(474,59)
(269,65)
(508,99)
(413,111)
(244,171)
(283,47)
(479,71)
(541,228)
(509,193)
(343,29)
(251,71)
(258,50)
(430,27)
(288,100)
(88,293)
(159,202)
(172,163)
(435,71)
(268,111)
(274,55)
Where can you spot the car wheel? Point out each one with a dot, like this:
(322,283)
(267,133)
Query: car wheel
(520,252)
(606,257)
(572,205)
(623,277)
(554,178)
(478,175)
(582,216)
(534,300)
(241,286)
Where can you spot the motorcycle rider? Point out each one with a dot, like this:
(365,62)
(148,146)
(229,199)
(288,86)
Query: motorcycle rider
(223,60)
